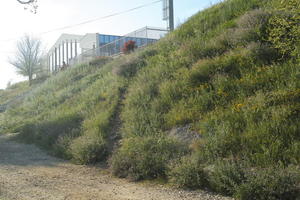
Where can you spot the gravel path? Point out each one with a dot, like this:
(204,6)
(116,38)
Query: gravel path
(27,173)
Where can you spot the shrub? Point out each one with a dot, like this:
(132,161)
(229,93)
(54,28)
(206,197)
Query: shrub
(129,47)
(46,133)
(99,61)
(271,184)
(255,19)
(263,53)
(62,145)
(27,133)
(129,66)
(283,28)
(145,157)
(88,149)
(226,177)
(186,172)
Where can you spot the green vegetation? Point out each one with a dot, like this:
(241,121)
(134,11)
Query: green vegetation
(230,72)
(12,96)
(147,158)
(12,92)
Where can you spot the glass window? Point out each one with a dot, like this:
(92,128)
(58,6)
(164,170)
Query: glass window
(106,39)
(139,42)
(101,39)
(122,43)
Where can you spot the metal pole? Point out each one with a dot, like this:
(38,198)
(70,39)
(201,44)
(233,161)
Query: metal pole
(76,48)
(71,43)
(63,52)
(67,52)
(48,63)
(55,58)
(146,36)
(59,55)
(52,63)
(171,15)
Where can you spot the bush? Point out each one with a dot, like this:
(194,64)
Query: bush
(62,145)
(226,177)
(188,173)
(284,28)
(129,47)
(271,184)
(145,157)
(99,61)
(46,133)
(129,66)
(88,149)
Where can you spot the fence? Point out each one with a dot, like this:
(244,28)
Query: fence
(142,37)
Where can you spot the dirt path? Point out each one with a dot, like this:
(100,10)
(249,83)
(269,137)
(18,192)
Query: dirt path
(27,173)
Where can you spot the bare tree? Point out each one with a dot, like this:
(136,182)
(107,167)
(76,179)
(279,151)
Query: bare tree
(28,57)
(31,3)
(26,2)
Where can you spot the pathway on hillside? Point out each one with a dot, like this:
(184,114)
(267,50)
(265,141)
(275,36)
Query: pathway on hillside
(27,173)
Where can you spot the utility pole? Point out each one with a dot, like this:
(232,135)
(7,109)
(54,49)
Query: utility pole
(168,13)
(171,15)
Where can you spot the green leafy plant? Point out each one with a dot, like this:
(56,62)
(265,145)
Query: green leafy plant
(145,157)
(271,184)
(187,173)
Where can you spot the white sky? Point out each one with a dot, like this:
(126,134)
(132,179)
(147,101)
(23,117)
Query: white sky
(52,14)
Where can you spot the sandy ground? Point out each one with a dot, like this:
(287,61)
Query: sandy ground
(27,173)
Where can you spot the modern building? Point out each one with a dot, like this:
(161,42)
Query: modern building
(66,47)
(70,48)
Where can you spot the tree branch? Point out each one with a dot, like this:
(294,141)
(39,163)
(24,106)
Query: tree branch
(25,2)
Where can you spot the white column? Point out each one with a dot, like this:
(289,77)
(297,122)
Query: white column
(71,48)
(63,52)
(67,52)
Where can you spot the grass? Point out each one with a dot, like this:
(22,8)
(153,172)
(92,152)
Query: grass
(13,92)
(224,73)
(71,114)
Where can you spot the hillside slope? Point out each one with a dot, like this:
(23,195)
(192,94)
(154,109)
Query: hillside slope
(12,94)
(10,97)
(230,75)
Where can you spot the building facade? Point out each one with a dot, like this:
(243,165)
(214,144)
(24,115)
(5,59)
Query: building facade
(71,49)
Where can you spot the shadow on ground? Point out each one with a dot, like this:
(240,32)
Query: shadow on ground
(18,154)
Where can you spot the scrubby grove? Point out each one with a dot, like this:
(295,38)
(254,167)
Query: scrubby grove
(230,75)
